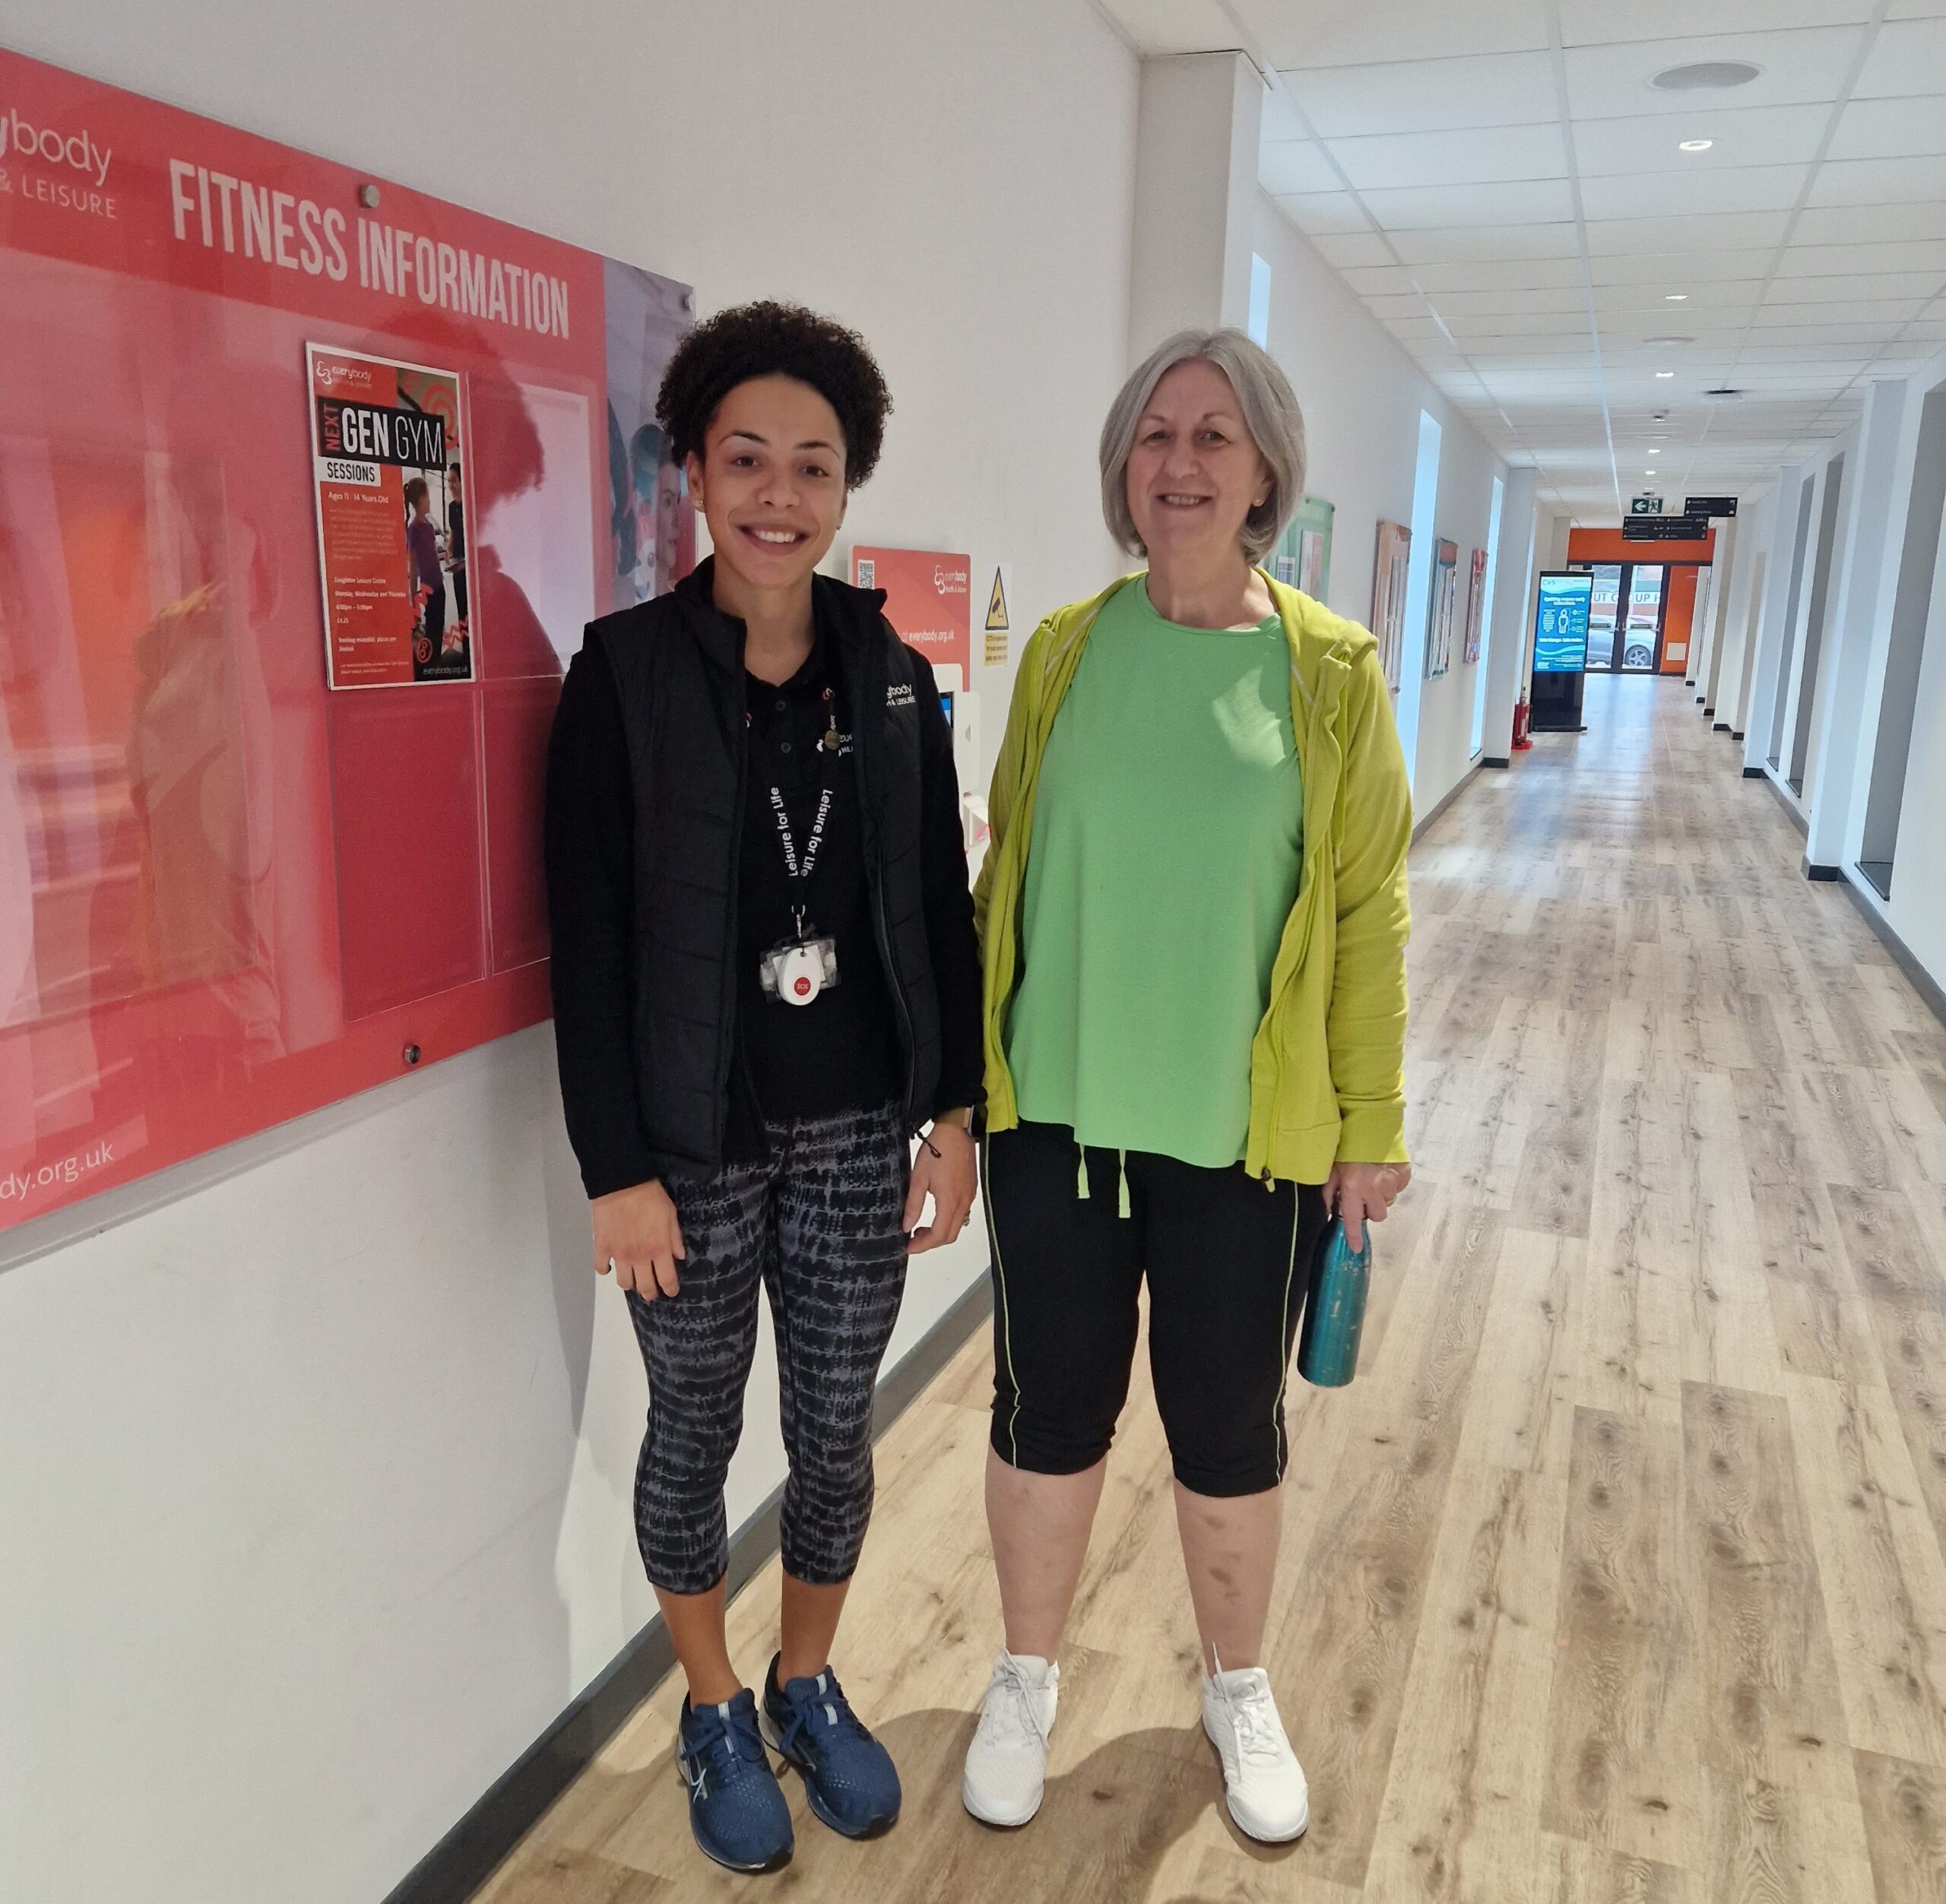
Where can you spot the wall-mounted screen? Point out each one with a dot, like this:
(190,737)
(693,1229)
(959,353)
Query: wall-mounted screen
(1561,624)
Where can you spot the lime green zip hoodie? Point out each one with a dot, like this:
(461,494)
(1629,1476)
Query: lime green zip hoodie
(1327,1065)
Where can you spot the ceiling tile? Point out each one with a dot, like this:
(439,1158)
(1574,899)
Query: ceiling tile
(1467,326)
(1321,214)
(1868,224)
(1881,182)
(1927,331)
(1701,301)
(1827,260)
(1500,274)
(1814,291)
(1296,165)
(1908,56)
(1426,95)
(1795,68)
(1448,244)
(1395,304)
(1480,155)
(1367,280)
(1754,187)
(1872,311)
(1303,36)
(1532,202)
(1598,22)
(1617,237)
(1353,248)
(1566,297)
(1752,135)
(1890,129)
(1677,270)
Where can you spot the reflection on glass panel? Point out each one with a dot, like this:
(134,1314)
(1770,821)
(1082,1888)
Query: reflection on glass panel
(1601,613)
(119,701)
(1645,608)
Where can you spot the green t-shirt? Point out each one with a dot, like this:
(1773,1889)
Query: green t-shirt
(1168,834)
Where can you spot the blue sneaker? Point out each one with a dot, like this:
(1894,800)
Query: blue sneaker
(737,1807)
(849,1777)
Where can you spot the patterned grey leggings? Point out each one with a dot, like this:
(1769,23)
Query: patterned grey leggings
(818,1225)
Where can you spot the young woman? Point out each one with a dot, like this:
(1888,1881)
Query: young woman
(765,982)
(1194,921)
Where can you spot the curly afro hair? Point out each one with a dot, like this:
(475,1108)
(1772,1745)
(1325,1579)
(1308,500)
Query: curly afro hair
(772,339)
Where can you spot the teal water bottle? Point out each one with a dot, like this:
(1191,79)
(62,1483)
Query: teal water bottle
(1334,1309)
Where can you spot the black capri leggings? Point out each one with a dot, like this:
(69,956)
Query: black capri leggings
(1225,1257)
(816,1226)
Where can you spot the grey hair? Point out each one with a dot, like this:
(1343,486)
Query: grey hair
(1270,413)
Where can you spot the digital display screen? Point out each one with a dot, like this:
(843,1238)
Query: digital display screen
(1561,624)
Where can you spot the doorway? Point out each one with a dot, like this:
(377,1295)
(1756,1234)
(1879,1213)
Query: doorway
(1625,618)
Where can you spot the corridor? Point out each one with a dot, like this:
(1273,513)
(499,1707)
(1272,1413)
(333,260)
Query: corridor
(1618,1574)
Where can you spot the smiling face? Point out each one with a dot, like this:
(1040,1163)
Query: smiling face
(771,481)
(1194,473)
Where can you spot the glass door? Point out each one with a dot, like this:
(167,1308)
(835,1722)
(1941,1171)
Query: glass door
(1642,629)
(1625,615)
(1603,613)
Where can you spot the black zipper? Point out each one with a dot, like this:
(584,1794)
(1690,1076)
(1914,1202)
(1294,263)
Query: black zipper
(740,749)
(875,879)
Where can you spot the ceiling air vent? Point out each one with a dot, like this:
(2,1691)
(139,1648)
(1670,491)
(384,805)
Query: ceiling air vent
(1655,340)
(1723,393)
(1706,76)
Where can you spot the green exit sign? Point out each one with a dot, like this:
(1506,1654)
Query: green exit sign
(1646,505)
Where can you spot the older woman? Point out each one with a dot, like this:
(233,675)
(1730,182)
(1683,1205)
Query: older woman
(1193,928)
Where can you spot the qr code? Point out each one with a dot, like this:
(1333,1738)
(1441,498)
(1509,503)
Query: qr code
(868,573)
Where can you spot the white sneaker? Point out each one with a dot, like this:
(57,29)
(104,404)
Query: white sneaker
(1262,1778)
(1007,1764)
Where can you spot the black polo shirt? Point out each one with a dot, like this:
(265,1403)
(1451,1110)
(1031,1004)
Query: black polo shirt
(841,1052)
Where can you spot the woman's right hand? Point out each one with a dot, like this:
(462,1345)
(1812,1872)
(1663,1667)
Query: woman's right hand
(637,1235)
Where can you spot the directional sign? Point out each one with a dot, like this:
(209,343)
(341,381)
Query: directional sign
(1646,505)
(1665,528)
(1715,505)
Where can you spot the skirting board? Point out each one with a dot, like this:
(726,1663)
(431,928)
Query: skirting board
(1922,980)
(1496,760)
(1721,726)
(1466,780)
(1793,811)
(463,1860)
(1814,870)
(1753,773)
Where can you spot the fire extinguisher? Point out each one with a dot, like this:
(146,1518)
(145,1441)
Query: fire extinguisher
(1522,740)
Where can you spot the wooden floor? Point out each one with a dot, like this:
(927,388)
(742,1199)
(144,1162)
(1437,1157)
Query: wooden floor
(1618,1574)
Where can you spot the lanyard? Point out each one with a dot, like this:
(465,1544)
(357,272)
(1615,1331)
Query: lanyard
(800,870)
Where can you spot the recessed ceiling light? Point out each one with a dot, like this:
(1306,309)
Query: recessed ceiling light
(1666,373)
(1675,297)
(1654,343)
(1705,75)
(1655,452)
(1694,145)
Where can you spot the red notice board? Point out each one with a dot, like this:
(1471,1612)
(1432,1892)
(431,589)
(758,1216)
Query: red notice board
(229,895)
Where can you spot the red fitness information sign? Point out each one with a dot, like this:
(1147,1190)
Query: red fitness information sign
(272,425)
(385,444)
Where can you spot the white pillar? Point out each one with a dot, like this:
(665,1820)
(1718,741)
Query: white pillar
(1723,567)
(1841,714)
(1515,566)
(1195,160)
(1790,539)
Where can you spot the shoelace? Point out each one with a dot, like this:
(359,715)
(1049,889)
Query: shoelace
(825,1715)
(1253,1717)
(1016,1719)
(727,1743)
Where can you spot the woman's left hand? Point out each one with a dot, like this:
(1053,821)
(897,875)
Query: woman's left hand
(948,1169)
(1362,1193)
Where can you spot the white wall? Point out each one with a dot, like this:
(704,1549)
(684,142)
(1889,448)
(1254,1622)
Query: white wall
(315,1475)
(1361,396)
